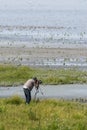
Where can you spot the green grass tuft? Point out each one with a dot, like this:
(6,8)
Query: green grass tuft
(17,75)
(16,100)
(44,115)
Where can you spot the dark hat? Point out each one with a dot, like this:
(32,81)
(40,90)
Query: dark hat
(35,78)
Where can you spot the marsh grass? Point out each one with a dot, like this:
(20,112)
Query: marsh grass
(16,75)
(44,115)
(16,100)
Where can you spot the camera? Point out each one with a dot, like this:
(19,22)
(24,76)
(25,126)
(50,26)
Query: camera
(40,81)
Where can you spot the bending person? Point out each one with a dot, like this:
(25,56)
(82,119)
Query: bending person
(28,86)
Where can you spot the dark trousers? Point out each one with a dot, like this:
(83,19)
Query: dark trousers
(27,93)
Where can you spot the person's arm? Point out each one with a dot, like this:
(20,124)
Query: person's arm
(37,84)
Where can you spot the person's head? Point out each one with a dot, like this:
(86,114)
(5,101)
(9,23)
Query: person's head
(35,79)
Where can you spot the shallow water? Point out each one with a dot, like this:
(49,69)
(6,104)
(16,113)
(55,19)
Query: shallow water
(44,28)
(74,91)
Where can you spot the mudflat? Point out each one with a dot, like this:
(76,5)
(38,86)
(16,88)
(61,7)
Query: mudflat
(44,52)
(35,56)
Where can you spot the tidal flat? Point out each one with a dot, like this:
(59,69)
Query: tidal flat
(44,57)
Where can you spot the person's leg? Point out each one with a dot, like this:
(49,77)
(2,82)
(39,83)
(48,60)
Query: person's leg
(27,95)
(25,92)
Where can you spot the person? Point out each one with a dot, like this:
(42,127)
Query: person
(28,86)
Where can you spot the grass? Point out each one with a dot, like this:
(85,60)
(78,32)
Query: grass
(42,115)
(17,75)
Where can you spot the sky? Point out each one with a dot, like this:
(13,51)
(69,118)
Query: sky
(44,4)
